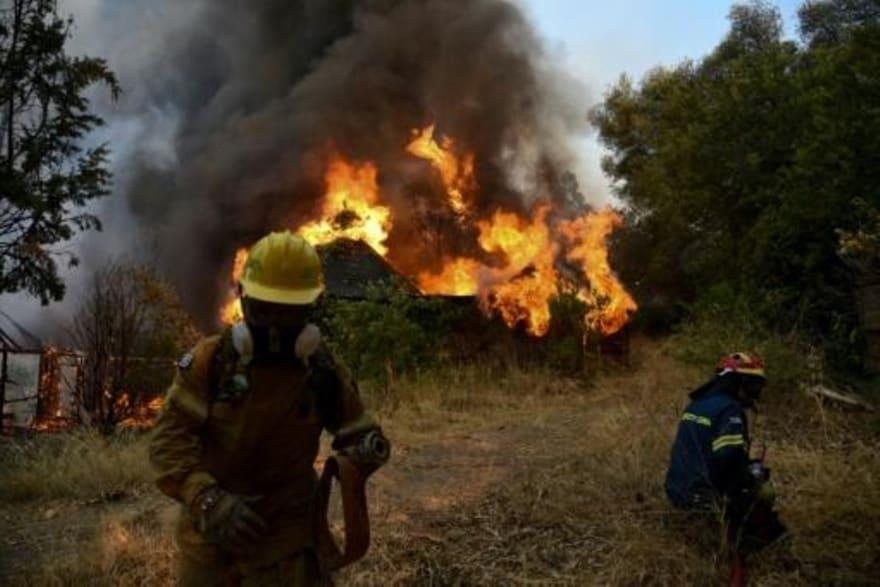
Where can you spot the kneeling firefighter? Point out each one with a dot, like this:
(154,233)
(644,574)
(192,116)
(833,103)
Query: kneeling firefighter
(710,466)
(238,436)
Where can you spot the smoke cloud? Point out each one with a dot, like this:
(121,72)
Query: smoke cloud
(232,110)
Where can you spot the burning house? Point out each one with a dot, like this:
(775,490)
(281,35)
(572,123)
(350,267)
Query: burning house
(351,266)
(20,355)
(517,262)
(431,140)
(439,133)
(47,388)
(39,383)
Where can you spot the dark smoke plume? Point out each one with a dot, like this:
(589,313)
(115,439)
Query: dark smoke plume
(265,90)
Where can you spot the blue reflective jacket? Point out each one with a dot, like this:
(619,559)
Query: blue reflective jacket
(710,456)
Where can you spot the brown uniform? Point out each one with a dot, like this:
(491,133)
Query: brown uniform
(262,443)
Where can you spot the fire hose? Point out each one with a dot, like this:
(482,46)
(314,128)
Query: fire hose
(352,466)
(761,475)
(760,526)
(352,486)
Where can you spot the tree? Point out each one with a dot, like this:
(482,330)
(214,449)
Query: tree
(754,27)
(127,320)
(741,170)
(829,22)
(46,176)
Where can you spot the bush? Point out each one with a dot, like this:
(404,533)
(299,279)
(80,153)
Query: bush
(723,322)
(390,333)
(564,349)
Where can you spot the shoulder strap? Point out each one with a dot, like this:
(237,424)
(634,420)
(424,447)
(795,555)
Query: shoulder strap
(223,364)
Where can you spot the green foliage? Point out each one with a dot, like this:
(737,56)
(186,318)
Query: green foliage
(829,23)
(46,177)
(861,245)
(392,332)
(742,169)
(723,322)
(564,347)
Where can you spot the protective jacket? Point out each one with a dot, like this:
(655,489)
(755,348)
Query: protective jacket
(253,429)
(710,455)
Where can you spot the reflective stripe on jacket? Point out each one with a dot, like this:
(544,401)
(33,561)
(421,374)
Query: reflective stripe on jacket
(710,454)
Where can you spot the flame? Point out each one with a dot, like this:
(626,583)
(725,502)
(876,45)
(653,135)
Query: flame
(519,240)
(458,176)
(528,281)
(351,208)
(527,298)
(521,288)
(516,272)
(139,416)
(241,256)
(610,304)
(231,311)
(457,278)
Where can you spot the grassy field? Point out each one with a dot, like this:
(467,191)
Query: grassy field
(499,476)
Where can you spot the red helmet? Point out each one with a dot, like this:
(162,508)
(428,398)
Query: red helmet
(746,363)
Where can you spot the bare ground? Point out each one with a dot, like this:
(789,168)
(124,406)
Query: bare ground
(425,478)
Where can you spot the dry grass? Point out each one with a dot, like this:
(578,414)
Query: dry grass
(592,511)
(503,476)
(124,550)
(80,464)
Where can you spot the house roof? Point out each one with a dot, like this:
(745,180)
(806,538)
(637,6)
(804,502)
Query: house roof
(350,266)
(15,336)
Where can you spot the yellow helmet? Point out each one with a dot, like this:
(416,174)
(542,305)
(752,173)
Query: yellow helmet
(283,268)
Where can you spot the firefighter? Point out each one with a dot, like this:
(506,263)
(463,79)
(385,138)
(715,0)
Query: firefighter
(238,436)
(710,465)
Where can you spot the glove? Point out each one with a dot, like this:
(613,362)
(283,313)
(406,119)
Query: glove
(227,520)
(766,493)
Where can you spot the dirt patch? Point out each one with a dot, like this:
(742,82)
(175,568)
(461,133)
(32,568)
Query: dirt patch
(37,535)
(424,480)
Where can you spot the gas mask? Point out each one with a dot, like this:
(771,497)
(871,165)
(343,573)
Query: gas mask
(274,328)
(750,388)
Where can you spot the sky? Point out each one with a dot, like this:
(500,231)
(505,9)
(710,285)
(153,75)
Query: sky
(601,40)
(596,41)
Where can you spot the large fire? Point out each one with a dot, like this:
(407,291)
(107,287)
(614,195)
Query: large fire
(521,289)
(351,208)
(516,273)
(457,175)
(610,304)
(521,285)
(459,277)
